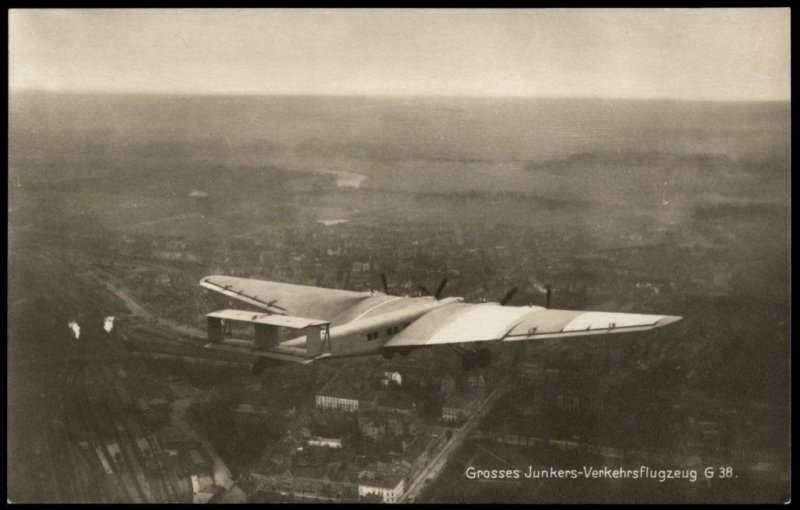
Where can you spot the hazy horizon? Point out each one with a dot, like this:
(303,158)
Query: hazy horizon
(672,54)
(381,96)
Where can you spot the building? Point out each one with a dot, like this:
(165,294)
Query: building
(201,476)
(325,442)
(172,440)
(391,377)
(396,404)
(308,473)
(418,452)
(202,487)
(396,424)
(348,405)
(345,394)
(370,426)
(360,267)
(448,385)
(389,487)
(476,381)
(536,374)
(457,409)
(115,452)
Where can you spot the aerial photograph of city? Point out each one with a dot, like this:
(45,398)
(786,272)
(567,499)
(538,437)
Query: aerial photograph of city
(382,255)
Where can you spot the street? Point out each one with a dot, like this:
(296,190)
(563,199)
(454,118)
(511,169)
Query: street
(437,464)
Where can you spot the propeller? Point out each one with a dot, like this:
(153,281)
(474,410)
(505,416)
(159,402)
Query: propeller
(508,296)
(439,289)
(385,285)
(549,290)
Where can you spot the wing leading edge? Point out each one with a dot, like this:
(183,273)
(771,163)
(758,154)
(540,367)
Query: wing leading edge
(286,298)
(466,323)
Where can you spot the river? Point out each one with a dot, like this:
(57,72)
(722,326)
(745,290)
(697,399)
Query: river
(345,179)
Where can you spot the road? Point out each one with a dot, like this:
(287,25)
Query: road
(440,461)
(140,311)
(222,475)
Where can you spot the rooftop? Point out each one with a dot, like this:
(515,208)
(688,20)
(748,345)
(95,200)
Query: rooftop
(395,400)
(417,446)
(348,387)
(381,475)
(459,401)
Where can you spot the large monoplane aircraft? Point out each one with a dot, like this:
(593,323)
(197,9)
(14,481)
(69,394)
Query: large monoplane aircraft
(304,324)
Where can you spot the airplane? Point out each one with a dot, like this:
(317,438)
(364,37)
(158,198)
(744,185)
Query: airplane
(335,323)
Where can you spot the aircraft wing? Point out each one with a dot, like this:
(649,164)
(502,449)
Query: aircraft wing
(465,323)
(332,305)
(286,298)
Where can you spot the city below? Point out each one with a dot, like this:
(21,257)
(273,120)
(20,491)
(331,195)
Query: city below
(112,397)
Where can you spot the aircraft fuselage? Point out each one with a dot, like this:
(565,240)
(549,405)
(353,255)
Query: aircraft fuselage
(368,335)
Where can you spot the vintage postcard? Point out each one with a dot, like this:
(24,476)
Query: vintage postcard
(399,256)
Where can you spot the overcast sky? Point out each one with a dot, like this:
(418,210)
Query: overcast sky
(718,54)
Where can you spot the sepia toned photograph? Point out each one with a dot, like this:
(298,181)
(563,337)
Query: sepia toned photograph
(403,256)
